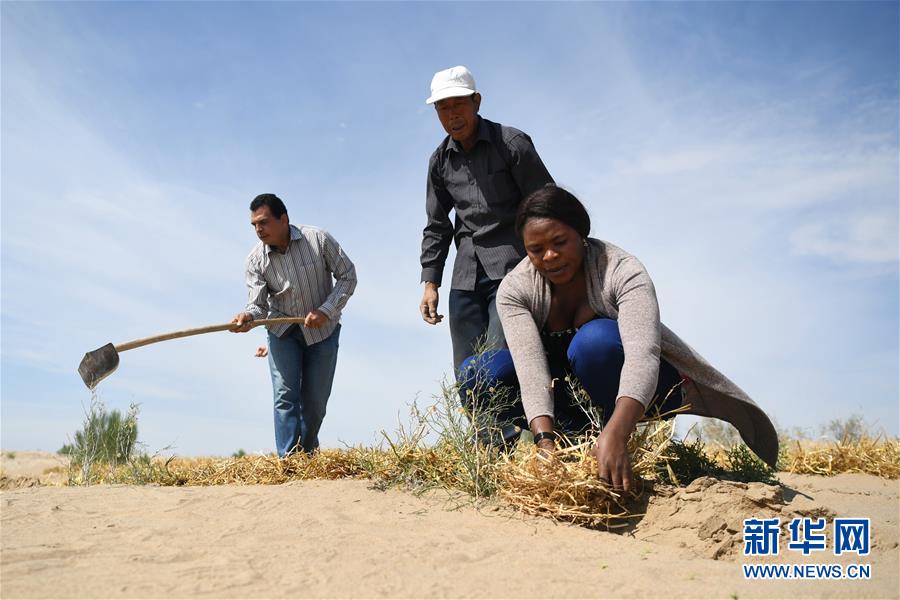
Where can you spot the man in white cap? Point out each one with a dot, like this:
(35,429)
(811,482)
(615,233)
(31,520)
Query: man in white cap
(481,171)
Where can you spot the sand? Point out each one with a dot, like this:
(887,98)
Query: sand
(344,539)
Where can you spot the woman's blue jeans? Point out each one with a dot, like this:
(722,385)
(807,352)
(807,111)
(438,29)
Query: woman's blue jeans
(595,359)
(301,383)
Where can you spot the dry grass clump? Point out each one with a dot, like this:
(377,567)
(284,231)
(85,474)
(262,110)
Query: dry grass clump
(564,485)
(866,454)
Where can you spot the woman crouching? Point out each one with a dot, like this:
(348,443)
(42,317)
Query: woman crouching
(584,307)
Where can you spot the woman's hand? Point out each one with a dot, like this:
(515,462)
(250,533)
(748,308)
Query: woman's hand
(546,447)
(611,447)
(613,462)
(544,424)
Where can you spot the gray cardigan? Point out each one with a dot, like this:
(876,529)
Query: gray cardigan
(619,288)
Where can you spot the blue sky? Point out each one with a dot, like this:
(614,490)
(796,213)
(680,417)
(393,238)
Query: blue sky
(746,152)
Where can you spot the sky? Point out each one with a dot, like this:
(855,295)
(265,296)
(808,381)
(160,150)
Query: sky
(747,153)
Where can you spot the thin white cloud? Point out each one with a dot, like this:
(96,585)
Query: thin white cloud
(851,238)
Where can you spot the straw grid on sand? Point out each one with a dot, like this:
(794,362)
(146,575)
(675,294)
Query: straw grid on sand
(562,486)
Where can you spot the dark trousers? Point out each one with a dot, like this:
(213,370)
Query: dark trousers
(474,324)
(595,359)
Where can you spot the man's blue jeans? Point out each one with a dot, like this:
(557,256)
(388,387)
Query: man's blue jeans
(595,358)
(474,320)
(301,383)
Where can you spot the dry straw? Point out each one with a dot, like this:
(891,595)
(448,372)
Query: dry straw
(564,485)
(871,455)
(265,469)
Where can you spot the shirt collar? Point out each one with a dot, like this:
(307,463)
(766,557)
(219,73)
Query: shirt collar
(483,134)
(295,235)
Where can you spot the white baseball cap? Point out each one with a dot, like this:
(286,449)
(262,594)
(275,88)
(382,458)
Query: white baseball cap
(450,83)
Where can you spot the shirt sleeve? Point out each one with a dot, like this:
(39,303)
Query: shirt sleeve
(257,291)
(438,232)
(344,273)
(639,328)
(527,168)
(524,341)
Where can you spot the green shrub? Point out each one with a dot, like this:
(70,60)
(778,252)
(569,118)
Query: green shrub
(106,437)
(742,465)
(687,461)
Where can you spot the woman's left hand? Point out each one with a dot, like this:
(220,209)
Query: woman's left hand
(611,447)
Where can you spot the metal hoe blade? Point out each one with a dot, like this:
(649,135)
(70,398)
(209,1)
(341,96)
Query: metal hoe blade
(97,365)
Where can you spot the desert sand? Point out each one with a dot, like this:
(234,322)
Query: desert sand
(345,539)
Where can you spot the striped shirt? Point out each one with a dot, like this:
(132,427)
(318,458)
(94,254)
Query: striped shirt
(300,280)
(484,188)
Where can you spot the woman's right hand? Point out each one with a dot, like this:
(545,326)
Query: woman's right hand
(543,424)
(546,447)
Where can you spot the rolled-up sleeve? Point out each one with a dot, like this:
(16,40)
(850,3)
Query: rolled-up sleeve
(344,272)
(640,329)
(438,232)
(527,350)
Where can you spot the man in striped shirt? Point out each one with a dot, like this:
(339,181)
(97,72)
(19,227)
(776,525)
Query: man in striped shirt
(297,271)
